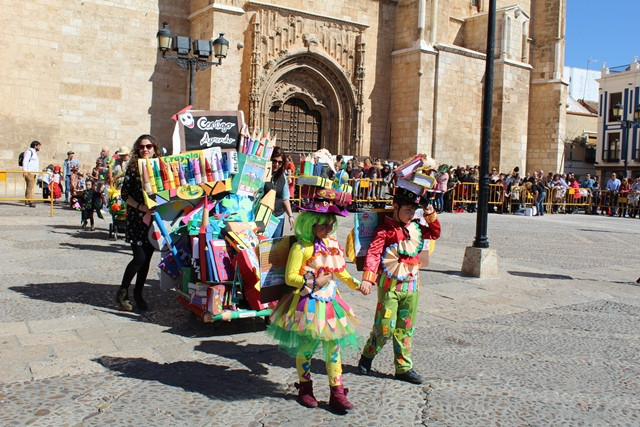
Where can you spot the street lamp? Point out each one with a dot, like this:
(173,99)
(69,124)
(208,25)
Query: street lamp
(198,60)
(479,260)
(618,112)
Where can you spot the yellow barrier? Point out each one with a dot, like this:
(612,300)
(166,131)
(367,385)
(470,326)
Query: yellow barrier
(365,191)
(618,202)
(13,188)
(521,196)
(369,191)
(633,204)
(603,201)
(567,199)
(466,194)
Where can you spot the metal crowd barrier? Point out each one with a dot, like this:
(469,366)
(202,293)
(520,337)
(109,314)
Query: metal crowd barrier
(369,191)
(465,194)
(13,187)
(608,202)
(374,192)
(365,191)
(569,199)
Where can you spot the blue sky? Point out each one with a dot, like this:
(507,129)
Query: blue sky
(604,30)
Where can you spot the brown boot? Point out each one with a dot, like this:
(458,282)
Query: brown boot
(305,394)
(338,399)
(122,300)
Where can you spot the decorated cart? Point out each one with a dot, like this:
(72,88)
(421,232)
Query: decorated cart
(213,221)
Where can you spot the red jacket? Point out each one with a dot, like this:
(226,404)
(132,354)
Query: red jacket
(391,232)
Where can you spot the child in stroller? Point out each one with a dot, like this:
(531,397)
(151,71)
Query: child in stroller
(77,188)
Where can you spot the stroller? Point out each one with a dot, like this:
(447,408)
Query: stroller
(118,211)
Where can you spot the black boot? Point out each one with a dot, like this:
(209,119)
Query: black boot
(410,376)
(123,300)
(364,365)
(141,304)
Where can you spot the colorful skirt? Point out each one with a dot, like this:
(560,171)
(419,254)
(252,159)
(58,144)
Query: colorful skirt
(305,319)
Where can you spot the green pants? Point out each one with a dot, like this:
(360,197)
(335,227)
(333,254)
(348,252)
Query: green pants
(395,317)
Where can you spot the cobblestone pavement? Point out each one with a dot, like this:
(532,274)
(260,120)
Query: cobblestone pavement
(553,340)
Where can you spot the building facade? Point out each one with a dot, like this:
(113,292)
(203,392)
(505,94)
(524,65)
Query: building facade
(386,78)
(618,147)
(582,120)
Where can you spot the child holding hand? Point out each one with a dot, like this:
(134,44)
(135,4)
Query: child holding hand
(314,312)
(393,264)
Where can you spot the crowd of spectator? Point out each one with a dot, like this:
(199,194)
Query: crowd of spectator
(371,179)
(509,188)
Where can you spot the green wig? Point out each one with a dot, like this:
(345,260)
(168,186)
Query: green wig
(303,227)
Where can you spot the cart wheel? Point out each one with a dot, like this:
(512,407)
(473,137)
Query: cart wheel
(267,320)
(110,230)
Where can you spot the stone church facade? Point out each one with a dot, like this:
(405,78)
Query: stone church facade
(363,77)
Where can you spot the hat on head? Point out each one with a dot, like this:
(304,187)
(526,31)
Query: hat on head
(324,206)
(443,168)
(70,152)
(324,200)
(408,196)
(123,151)
(360,164)
(377,165)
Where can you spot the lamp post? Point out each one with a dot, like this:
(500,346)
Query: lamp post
(481,239)
(618,113)
(198,60)
(479,259)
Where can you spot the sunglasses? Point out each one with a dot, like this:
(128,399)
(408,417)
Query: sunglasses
(145,146)
(277,162)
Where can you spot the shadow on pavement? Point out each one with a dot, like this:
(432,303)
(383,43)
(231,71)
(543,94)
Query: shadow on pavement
(540,275)
(257,357)
(213,381)
(95,294)
(254,356)
(164,309)
(97,248)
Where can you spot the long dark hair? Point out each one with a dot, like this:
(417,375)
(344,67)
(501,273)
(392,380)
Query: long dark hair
(135,153)
(278,152)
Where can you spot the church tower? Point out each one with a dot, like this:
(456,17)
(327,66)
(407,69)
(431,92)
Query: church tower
(548,93)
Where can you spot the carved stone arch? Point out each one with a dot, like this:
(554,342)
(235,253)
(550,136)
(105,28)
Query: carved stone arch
(321,84)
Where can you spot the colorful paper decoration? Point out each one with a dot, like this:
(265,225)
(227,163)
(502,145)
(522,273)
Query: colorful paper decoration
(265,209)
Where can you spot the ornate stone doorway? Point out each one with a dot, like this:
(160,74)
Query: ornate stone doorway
(306,77)
(298,127)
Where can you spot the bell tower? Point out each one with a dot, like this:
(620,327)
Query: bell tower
(548,94)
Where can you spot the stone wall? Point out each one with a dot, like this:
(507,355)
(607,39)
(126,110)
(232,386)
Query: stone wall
(511,112)
(90,75)
(547,106)
(458,107)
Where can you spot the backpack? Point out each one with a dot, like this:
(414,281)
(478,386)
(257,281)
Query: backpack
(20,159)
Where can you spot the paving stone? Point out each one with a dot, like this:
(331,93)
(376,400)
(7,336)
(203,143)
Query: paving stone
(47,338)
(13,328)
(65,324)
(552,341)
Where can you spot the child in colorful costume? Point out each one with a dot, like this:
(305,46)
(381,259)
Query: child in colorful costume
(392,262)
(315,312)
